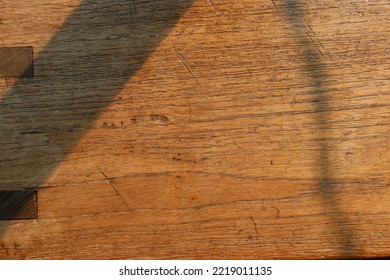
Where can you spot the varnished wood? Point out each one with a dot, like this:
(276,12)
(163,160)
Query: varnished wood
(206,129)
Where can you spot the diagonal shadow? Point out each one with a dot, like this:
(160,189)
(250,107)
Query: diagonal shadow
(316,72)
(78,73)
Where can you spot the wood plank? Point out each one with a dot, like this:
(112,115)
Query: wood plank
(16,62)
(240,130)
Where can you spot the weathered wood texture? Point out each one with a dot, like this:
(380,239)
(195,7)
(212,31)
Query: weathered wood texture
(214,129)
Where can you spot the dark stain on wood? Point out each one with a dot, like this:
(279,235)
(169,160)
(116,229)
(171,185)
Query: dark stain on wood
(18,205)
(16,62)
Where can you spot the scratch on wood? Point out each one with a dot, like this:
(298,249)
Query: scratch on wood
(323,56)
(308,25)
(255,226)
(211,4)
(182,59)
(314,43)
(321,45)
(276,7)
(112,186)
(312,31)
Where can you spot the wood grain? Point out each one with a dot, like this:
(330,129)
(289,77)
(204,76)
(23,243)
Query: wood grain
(184,130)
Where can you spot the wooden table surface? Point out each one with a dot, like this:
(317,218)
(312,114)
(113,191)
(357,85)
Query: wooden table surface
(175,129)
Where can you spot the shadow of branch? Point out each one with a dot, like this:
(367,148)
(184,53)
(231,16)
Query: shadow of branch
(315,69)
